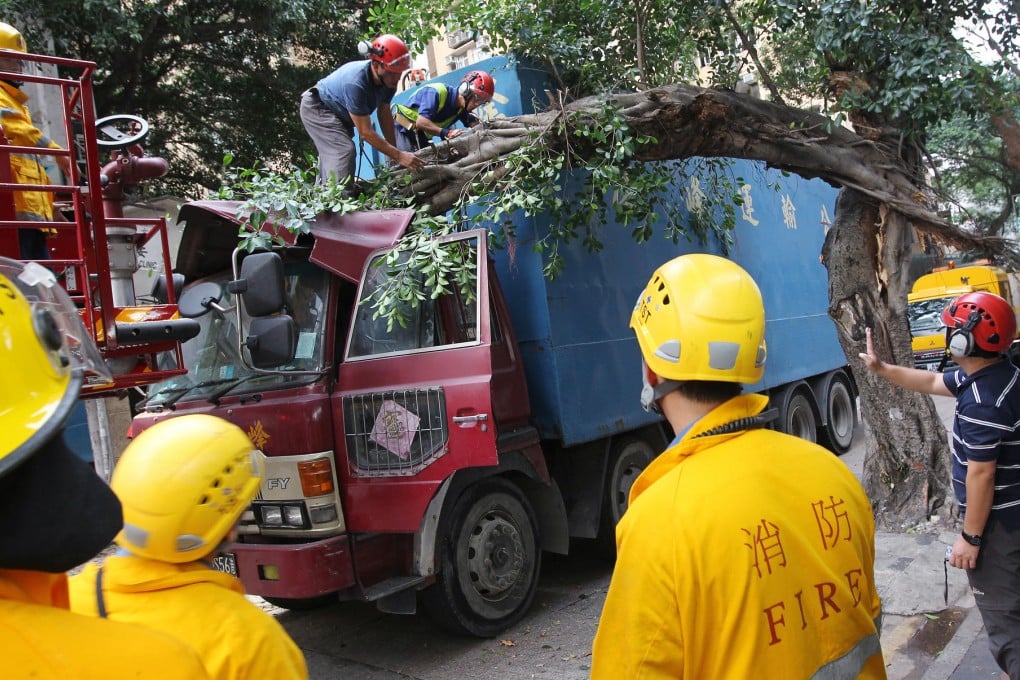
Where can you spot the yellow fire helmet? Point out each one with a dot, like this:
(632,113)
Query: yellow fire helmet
(183,483)
(701,317)
(11,38)
(46,354)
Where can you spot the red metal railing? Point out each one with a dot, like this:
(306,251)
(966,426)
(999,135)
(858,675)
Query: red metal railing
(131,336)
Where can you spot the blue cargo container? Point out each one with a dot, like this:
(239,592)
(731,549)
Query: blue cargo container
(581,358)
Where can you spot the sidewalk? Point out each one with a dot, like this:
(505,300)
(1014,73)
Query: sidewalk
(925,635)
(931,629)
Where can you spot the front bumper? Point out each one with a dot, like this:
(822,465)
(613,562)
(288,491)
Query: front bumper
(295,570)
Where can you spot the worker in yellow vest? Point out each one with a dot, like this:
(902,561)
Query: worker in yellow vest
(434,108)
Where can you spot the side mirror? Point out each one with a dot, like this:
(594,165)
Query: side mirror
(197,300)
(272,341)
(160,289)
(261,284)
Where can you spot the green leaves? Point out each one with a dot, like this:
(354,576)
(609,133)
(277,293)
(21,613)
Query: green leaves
(208,75)
(272,202)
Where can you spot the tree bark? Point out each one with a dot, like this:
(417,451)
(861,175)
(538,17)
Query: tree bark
(906,466)
(690,121)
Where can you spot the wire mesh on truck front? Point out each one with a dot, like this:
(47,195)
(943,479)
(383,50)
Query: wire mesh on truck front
(395,433)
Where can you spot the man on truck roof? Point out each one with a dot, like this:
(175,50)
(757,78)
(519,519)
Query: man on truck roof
(434,108)
(344,100)
(744,552)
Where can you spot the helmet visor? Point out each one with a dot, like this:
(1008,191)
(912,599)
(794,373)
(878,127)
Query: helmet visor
(398,65)
(58,322)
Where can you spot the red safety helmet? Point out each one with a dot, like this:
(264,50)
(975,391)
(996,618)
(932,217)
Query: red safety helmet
(477,84)
(388,50)
(983,320)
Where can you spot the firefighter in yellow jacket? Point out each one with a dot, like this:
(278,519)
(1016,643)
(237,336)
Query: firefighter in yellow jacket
(184,483)
(55,513)
(18,128)
(744,552)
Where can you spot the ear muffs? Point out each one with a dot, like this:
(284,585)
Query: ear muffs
(961,343)
(463,89)
(365,49)
(961,340)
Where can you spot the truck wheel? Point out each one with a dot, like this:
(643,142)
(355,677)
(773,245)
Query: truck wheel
(628,459)
(840,418)
(488,562)
(798,417)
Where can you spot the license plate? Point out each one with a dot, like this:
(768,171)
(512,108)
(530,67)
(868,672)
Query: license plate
(227,563)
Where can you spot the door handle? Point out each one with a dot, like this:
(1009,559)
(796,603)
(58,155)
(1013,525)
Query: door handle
(469,421)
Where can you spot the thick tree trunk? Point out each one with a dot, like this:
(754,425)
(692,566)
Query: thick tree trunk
(906,469)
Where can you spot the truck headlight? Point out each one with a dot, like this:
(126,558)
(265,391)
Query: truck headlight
(282,515)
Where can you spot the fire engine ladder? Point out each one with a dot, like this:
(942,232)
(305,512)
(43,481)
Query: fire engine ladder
(97,250)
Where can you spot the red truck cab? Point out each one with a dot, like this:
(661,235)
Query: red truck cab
(399,458)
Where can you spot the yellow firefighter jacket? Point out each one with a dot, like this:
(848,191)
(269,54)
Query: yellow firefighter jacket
(742,555)
(203,608)
(41,639)
(25,169)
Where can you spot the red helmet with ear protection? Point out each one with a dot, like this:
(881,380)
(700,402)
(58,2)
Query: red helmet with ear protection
(388,50)
(986,318)
(478,84)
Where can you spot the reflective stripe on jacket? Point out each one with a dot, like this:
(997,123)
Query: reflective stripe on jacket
(41,639)
(742,555)
(203,608)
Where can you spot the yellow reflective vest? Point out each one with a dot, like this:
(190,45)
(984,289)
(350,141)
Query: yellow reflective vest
(25,169)
(203,608)
(444,92)
(742,555)
(41,639)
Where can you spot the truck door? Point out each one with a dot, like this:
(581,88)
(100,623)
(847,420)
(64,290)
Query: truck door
(413,399)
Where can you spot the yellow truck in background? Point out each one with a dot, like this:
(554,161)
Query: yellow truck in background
(931,294)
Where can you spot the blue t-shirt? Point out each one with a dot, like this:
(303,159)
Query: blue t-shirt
(986,427)
(350,89)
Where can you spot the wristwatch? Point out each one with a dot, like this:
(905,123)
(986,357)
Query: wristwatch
(970,538)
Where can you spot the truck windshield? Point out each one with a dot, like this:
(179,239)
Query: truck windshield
(214,366)
(924,316)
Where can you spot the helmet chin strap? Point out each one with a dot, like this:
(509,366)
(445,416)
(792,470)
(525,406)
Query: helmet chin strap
(650,395)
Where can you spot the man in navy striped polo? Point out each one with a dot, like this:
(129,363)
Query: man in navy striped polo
(980,327)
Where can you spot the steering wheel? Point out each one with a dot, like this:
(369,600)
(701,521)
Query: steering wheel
(120,131)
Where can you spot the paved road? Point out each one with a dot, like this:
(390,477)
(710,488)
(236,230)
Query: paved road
(355,642)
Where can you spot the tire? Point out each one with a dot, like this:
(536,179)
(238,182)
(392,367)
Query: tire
(798,417)
(488,561)
(840,415)
(628,459)
(302,604)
